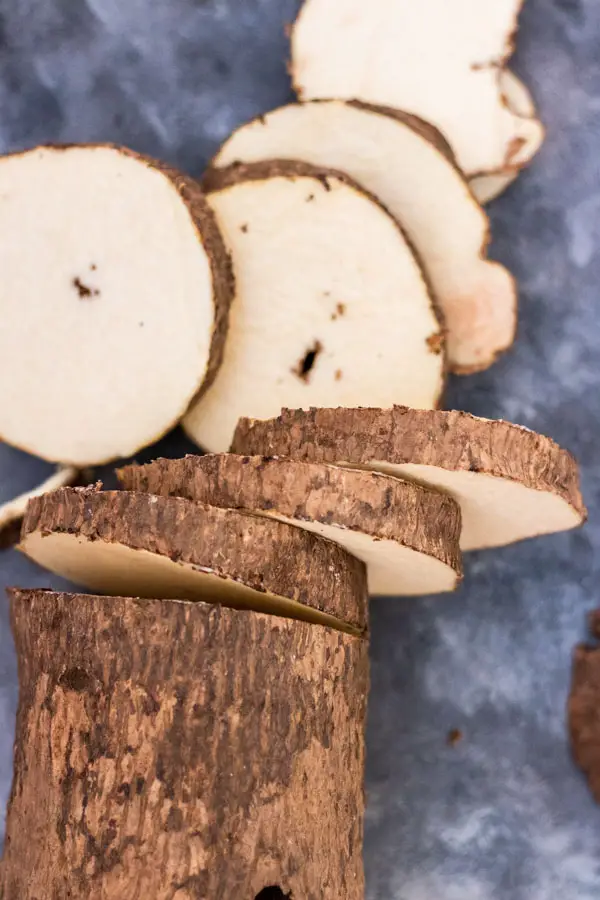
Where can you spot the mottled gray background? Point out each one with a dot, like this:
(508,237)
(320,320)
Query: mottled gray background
(504,815)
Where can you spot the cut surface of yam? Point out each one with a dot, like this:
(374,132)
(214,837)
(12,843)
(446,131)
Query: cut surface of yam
(584,703)
(331,304)
(407,536)
(115,288)
(518,99)
(121,543)
(439,59)
(408,166)
(12,512)
(511,483)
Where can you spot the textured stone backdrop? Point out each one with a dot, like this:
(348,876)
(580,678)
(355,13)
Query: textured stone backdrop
(503,815)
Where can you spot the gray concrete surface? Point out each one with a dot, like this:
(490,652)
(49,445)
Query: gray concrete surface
(504,815)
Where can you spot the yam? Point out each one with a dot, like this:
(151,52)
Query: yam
(12,512)
(518,99)
(407,535)
(166,547)
(510,482)
(115,287)
(177,751)
(331,305)
(409,167)
(584,706)
(438,59)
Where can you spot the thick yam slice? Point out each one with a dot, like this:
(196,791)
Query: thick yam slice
(584,707)
(331,305)
(511,483)
(518,99)
(439,59)
(11,513)
(177,751)
(121,543)
(410,168)
(408,536)
(115,287)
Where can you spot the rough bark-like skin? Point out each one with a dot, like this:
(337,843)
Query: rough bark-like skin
(387,508)
(209,234)
(584,708)
(264,554)
(239,173)
(176,751)
(451,440)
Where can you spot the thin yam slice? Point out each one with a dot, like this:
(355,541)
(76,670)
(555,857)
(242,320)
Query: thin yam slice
(116,542)
(331,304)
(407,535)
(114,294)
(510,482)
(12,512)
(519,100)
(584,707)
(439,59)
(409,167)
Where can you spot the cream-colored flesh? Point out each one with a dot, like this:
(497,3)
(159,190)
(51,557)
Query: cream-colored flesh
(106,300)
(495,511)
(425,192)
(320,269)
(438,59)
(15,509)
(519,100)
(393,569)
(122,571)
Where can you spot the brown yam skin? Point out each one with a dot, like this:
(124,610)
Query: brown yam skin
(263,554)
(451,440)
(584,708)
(179,751)
(379,505)
(209,234)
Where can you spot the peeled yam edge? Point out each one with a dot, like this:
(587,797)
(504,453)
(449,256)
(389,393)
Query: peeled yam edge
(407,535)
(12,512)
(517,97)
(511,483)
(332,304)
(121,543)
(409,166)
(123,265)
(407,56)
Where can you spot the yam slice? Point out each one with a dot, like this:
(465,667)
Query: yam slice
(115,287)
(12,512)
(407,535)
(409,167)
(511,483)
(584,707)
(519,100)
(439,59)
(331,305)
(116,542)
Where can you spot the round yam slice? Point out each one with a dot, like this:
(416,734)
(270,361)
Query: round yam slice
(439,59)
(331,304)
(12,512)
(519,100)
(407,535)
(115,288)
(116,543)
(511,483)
(409,167)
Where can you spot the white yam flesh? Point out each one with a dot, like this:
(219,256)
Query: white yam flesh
(14,510)
(439,59)
(423,189)
(107,300)
(518,99)
(331,306)
(119,570)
